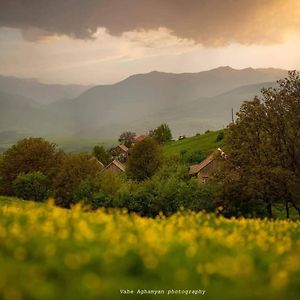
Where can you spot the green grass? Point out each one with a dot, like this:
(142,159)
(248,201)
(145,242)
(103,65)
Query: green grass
(51,253)
(205,142)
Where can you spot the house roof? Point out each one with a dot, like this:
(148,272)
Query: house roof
(139,138)
(123,147)
(117,164)
(98,161)
(198,167)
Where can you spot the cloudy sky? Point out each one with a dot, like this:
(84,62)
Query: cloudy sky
(104,41)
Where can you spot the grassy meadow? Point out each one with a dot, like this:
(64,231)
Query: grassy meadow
(206,143)
(48,252)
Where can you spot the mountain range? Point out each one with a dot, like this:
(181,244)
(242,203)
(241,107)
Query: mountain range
(188,102)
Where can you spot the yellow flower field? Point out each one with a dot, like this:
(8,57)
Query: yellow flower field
(51,253)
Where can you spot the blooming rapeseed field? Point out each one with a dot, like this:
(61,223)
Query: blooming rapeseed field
(51,253)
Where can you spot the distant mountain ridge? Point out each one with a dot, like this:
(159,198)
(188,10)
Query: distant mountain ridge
(40,92)
(189,102)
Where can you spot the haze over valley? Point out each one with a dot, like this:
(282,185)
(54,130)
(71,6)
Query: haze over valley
(188,102)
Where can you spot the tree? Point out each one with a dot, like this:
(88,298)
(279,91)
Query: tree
(74,169)
(145,159)
(28,155)
(102,154)
(263,155)
(127,138)
(32,186)
(161,134)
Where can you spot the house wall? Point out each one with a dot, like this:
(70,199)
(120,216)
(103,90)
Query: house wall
(206,172)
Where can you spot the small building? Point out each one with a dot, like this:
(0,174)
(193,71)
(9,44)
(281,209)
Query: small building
(120,153)
(121,150)
(115,166)
(204,169)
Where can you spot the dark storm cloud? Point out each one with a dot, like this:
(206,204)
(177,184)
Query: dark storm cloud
(209,22)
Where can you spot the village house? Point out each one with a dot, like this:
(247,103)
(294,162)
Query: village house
(120,153)
(203,171)
(115,166)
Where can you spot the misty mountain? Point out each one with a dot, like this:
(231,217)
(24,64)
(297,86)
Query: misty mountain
(142,101)
(40,92)
(189,102)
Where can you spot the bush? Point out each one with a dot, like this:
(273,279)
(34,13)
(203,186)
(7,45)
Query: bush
(32,186)
(220,136)
(193,157)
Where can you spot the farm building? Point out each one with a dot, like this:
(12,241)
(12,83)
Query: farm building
(204,169)
(115,167)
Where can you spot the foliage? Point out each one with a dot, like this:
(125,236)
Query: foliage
(144,160)
(51,253)
(32,186)
(192,157)
(127,138)
(263,155)
(74,169)
(28,155)
(220,136)
(102,155)
(161,134)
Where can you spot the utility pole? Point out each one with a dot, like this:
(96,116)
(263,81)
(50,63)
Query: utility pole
(232,119)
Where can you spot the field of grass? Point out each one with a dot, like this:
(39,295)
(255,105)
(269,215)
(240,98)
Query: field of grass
(205,142)
(51,253)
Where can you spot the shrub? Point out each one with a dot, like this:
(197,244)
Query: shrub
(193,157)
(32,186)
(220,136)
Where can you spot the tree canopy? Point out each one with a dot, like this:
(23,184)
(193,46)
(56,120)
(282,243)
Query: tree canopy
(162,133)
(263,154)
(28,155)
(144,160)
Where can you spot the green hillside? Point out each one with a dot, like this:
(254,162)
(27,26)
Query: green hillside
(206,143)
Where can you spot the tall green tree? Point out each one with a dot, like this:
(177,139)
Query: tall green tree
(74,169)
(127,138)
(263,155)
(162,133)
(102,154)
(144,160)
(28,155)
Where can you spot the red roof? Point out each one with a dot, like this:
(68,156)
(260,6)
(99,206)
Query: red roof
(139,138)
(197,168)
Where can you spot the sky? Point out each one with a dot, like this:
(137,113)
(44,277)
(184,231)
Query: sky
(104,41)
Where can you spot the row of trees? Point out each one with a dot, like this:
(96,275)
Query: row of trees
(36,169)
